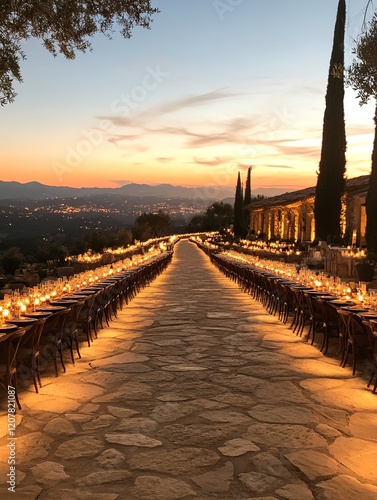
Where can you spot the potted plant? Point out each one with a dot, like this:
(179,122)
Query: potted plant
(366,267)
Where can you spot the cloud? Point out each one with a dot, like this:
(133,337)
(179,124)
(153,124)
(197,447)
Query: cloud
(118,121)
(252,131)
(294,147)
(360,130)
(115,139)
(165,159)
(233,131)
(243,167)
(308,151)
(214,162)
(274,166)
(364,170)
(188,102)
(127,142)
(140,117)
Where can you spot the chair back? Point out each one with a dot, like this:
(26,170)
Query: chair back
(331,315)
(9,345)
(72,319)
(372,336)
(356,327)
(54,324)
(32,336)
(344,321)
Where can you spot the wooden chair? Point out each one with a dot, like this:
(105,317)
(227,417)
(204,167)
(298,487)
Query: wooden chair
(315,315)
(287,303)
(87,319)
(371,329)
(303,314)
(331,324)
(344,325)
(70,333)
(28,353)
(52,337)
(357,340)
(9,344)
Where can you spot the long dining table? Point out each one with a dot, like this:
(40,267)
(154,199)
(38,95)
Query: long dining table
(271,290)
(58,312)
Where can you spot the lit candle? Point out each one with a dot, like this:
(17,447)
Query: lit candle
(5,314)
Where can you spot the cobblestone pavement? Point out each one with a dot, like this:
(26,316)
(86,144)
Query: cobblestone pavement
(195,392)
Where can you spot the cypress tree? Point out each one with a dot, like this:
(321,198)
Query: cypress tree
(246,201)
(330,180)
(238,210)
(247,198)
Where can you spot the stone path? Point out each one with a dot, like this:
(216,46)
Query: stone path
(195,392)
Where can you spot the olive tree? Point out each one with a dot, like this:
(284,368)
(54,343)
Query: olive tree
(63,26)
(362,76)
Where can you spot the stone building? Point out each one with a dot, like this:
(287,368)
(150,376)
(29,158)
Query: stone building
(290,216)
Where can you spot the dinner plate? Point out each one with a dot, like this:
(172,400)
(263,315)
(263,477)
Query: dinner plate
(92,289)
(73,297)
(343,302)
(50,308)
(22,321)
(355,310)
(37,314)
(369,315)
(8,328)
(63,302)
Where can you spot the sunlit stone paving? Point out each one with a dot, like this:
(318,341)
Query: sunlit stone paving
(194,391)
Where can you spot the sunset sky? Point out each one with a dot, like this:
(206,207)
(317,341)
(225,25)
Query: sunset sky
(214,87)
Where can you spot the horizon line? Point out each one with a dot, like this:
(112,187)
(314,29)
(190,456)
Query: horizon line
(192,186)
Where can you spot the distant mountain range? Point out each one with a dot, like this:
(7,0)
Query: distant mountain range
(36,191)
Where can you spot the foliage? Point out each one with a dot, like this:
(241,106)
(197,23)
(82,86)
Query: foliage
(64,26)
(238,224)
(11,260)
(96,241)
(246,201)
(330,181)
(196,224)
(247,197)
(78,246)
(151,225)
(218,216)
(142,231)
(123,237)
(51,250)
(371,199)
(362,76)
